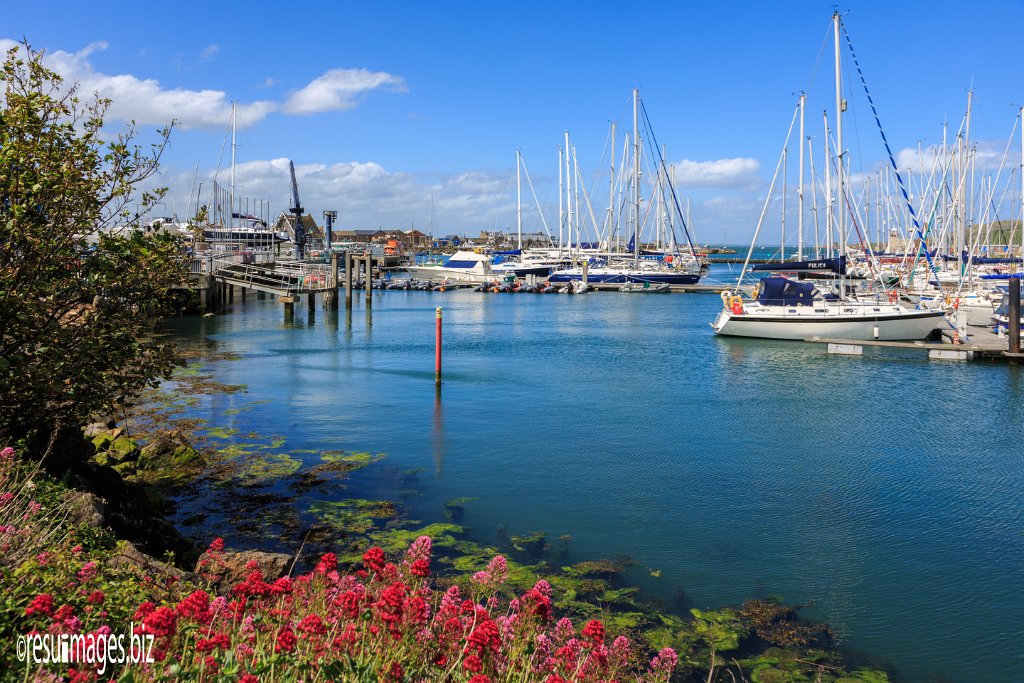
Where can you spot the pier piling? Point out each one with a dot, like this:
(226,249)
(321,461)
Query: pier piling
(437,349)
(331,298)
(1014,315)
(369,277)
(348,279)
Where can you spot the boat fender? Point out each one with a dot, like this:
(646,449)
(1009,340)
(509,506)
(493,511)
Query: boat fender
(725,298)
(736,305)
(956,304)
(894,296)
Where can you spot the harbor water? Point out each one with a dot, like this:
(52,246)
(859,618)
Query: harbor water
(884,490)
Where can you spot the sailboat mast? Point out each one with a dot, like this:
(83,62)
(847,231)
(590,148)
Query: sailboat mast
(1021,113)
(231,193)
(785,158)
(829,204)
(800,187)
(611,190)
(519,202)
(568,192)
(636,177)
(841,199)
(561,204)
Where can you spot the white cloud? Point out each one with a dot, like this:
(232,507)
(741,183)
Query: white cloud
(147,102)
(339,89)
(209,52)
(736,173)
(988,157)
(365,195)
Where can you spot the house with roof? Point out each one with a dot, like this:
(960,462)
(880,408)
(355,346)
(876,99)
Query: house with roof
(315,238)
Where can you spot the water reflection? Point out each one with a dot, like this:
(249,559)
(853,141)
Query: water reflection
(437,440)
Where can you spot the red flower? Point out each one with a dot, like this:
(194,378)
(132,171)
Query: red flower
(96,598)
(248,678)
(63,612)
(144,610)
(196,606)
(594,631)
(417,609)
(285,641)
(41,603)
(162,621)
(350,603)
(421,567)
(473,664)
(328,563)
(216,545)
(374,559)
(282,586)
(538,604)
(485,637)
(253,586)
(480,678)
(389,606)
(219,640)
(211,665)
(312,625)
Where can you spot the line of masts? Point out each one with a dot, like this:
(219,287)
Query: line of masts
(957,205)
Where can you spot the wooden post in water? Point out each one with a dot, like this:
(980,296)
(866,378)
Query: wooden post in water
(348,278)
(437,349)
(333,278)
(1014,315)
(586,271)
(369,276)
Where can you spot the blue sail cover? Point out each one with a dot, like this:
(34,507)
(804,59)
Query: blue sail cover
(823,265)
(981,260)
(780,291)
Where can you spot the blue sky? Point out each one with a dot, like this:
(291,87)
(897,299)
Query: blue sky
(388,107)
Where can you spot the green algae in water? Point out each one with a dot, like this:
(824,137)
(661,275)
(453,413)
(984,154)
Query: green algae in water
(269,466)
(353,515)
(221,433)
(354,458)
(238,450)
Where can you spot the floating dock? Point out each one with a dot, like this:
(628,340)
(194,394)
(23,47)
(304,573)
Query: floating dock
(983,346)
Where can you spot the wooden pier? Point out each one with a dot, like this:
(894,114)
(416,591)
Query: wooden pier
(981,346)
(215,277)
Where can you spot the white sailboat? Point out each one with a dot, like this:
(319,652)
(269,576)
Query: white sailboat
(791,309)
(608,268)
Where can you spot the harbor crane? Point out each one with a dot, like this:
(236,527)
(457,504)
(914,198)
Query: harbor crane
(296,211)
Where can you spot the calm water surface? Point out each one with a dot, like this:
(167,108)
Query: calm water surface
(886,491)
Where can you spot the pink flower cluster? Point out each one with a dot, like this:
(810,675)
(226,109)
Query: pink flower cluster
(385,616)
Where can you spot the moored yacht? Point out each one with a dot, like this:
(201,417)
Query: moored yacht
(462,266)
(789,309)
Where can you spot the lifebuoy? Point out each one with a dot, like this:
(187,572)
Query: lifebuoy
(725,298)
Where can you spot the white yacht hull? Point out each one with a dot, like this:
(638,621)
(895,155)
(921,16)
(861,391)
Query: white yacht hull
(893,322)
(442,273)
